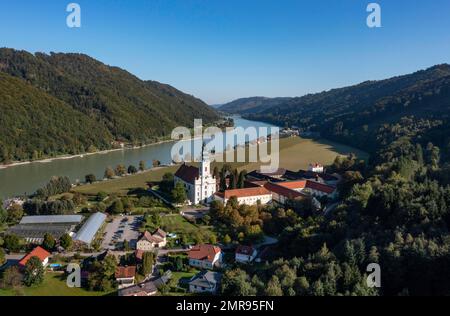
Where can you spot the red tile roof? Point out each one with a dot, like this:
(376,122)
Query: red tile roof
(320,187)
(204,252)
(39,252)
(187,173)
(245,250)
(295,185)
(157,237)
(246,192)
(280,190)
(125,272)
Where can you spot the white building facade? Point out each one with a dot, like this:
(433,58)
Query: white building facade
(199,183)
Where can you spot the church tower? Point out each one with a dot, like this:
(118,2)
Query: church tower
(207,185)
(205,165)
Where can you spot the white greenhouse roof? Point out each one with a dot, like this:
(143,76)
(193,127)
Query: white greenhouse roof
(87,232)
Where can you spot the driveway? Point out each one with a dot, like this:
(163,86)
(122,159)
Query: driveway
(120,229)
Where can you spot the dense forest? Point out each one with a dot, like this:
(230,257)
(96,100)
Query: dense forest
(71,103)
(353,115)
(395,212)
(395,208)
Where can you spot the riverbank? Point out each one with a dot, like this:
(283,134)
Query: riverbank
(65,157)
(126,147)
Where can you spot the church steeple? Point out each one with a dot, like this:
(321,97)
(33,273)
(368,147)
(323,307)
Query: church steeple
(205,163)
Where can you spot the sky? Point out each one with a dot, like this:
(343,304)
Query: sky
(221,50)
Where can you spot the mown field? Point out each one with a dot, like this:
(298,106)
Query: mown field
(295,153)
(54,285)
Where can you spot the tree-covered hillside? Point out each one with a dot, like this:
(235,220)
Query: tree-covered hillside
(354,114)
(34,124)
(120,106)
(250,105)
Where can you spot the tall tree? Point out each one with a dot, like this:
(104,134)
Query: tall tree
(34,272)
(141,165)
(109,173)
(90,178)
(49,242)
(66,241)
(148,259)
(179,193)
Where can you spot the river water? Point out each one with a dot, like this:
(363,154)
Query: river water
(25,179)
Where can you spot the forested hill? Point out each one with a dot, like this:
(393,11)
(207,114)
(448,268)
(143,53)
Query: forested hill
(250,105)
(354,114)
(97,104)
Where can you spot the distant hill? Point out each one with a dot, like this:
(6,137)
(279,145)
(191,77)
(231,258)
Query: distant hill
(354,114)
(251,105)
(102,103)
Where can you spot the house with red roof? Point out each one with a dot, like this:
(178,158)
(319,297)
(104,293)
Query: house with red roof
(39,252)
(245,254)
(148,241)
(248,196)
(125,276)
(205,256)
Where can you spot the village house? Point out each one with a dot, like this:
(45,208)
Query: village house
(205,256)
(248,196)
(245,254)
(205,282)
(39,252)
(200,184)
(147,288)
(148,241)
(125,276)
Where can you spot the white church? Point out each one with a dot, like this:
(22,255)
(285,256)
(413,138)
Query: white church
(200,184)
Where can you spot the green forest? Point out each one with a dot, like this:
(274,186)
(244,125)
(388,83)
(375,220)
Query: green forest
(395,209)
(71,103)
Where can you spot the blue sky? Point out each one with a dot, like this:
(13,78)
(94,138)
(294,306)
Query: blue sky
(220,50)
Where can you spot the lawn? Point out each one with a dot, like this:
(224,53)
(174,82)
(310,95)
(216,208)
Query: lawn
(54,285)
(175,223)
(126,184)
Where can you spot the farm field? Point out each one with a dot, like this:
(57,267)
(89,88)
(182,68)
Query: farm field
(297,153)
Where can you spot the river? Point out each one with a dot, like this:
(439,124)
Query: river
(26,178)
